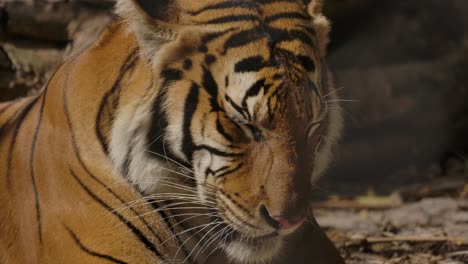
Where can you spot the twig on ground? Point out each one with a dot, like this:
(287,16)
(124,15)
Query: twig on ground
(457,253)
(373,240)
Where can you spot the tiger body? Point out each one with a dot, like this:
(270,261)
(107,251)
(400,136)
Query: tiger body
(141,149)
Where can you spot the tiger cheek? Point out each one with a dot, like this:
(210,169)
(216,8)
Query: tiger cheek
(239,188)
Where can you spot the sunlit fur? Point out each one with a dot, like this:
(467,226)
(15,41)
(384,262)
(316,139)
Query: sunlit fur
(170,129)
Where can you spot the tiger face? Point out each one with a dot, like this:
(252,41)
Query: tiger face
(238,101)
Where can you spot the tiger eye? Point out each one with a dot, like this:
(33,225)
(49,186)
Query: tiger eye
(256,133)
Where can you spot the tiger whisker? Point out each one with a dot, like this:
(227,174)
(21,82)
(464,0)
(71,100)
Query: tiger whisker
(170,205)
(146,203)
(194,192)
(167,196)
(177,196)
(226,235)
(341,100)
(210,241)
(152,182)
(205,216)
(188,230)
(188,176)
(169,159)
(333,92)
(154,141)
(214,188)
(164,195)
(188,256)
(194,215)
(178,208)
(345,111)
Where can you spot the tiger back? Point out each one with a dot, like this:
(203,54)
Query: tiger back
(189,132)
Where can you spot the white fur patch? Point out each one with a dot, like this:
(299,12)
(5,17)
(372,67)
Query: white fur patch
(330,140)
(253,254)
(129,141)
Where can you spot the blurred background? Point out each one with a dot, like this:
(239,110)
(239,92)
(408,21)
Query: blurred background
(403,66)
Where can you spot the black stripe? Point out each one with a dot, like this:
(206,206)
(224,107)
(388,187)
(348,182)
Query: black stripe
(206,39)
(222,131)
(171,75)
(230,171)
(124,221)
(277,35)
(247,212)
(114,95)
(158,127)
(274,36)
(217,151)
(162,10)
(224,5)
(210,85)
(251,64)
(241,39)
(157,131)
(287,15)
(254,90)
(128,157)
(231,19)
(272,96)
(264,2)
(220,169)
(190,108)
(83,165)
(19,123)
(89,251)
(8,121)
(307,63)
(295,34)
(167,220)
(236,107)
(209,171)
(229,209)
(31,164)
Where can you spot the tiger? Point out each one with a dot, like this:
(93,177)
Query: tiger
(189,132)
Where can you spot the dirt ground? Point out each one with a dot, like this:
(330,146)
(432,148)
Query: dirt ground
(389,230)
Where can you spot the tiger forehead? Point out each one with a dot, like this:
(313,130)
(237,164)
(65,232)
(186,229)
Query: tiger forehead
(256,54)
(259,7)
(244,13)
(267,24)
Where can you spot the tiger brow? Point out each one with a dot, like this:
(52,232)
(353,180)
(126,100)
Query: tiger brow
(224,5)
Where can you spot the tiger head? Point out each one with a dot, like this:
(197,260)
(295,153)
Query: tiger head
(240,91)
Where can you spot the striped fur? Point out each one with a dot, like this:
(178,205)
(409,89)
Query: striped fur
(185,129)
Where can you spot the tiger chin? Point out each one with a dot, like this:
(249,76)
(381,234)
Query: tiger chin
(188,127)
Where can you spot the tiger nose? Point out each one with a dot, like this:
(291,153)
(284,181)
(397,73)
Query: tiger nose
(281,223)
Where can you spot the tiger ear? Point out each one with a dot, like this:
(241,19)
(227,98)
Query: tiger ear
(153,21)
(320,24)
(314,6)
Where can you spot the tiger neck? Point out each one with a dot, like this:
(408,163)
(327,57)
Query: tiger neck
(131,130)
